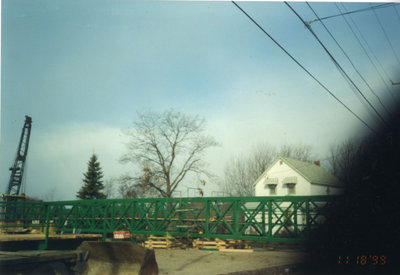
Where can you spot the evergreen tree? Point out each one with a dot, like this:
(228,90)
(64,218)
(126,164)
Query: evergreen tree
(92,181)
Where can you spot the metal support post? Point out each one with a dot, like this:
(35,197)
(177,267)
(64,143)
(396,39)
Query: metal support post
(43,246)
(236,218)
(270,218)
(308,218)
(207,217)
(263,219)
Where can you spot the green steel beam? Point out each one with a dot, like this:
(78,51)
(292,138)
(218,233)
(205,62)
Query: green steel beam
(278,219)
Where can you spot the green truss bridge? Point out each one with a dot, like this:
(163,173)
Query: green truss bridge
(273,219)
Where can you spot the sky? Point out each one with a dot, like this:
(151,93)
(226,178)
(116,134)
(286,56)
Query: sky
(84,69)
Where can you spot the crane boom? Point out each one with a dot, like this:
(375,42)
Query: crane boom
(17,171)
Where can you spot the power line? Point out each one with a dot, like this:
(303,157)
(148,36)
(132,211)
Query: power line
(348,58)
(365,51)
(397,13)
(350,12)
(336,63)
(369,47)
(387,37)
(301,66)
(353,88)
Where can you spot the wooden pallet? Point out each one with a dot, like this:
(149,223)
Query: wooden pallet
(237,244)
(219,244)
(209,244)
(166,242)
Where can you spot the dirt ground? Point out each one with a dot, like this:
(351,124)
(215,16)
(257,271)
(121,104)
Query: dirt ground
(191,261)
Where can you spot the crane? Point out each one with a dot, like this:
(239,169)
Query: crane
(17,170)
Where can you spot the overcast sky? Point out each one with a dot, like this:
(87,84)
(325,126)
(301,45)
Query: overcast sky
(83,69)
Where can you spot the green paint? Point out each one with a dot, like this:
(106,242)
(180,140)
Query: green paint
(273,219)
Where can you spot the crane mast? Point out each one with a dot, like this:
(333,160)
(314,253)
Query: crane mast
(17,170)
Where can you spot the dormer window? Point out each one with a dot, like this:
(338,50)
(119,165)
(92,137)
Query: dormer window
(291,189)
(290,184)
(272,189)
(271,184)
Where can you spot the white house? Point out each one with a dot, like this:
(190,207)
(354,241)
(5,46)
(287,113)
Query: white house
(290,177)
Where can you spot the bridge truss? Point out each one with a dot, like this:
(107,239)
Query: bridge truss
(277,219)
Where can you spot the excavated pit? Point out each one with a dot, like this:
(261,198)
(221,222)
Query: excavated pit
(118,258)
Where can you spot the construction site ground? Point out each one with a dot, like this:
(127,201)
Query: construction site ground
(192,261)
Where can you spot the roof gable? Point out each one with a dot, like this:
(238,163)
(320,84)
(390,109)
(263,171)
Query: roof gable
(266,171)
(311,172)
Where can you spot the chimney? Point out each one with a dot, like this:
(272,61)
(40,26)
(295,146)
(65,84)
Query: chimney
(317,162)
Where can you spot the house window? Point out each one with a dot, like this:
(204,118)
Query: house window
(271,183)
(291,188)
(290,184)
(272,189)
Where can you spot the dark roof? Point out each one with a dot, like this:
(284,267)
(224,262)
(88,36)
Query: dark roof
(312,172)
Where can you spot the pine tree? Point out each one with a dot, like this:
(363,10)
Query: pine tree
(92,181)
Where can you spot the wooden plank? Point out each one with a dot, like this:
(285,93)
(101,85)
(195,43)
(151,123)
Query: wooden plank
(236,250)
(42,237)
(168,244)
(152,237)
(207,243)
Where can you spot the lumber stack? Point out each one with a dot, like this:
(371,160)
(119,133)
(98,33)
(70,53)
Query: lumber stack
(209,244)
(220,244)
(237,244)
(166,242)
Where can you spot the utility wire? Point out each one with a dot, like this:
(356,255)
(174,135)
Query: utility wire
(336,63)
(348,58)
(301,66)
(365,51)
(350,12)
(353,88)
(387,37)
(395,10)
(369,47)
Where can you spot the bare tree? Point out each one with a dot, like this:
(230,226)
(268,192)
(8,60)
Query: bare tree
(237,181)
(299,151)
(166,147)
(242,171)
(109,188)
(133,187)
(342,157)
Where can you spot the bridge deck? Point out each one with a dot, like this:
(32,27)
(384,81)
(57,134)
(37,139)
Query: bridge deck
(42,237)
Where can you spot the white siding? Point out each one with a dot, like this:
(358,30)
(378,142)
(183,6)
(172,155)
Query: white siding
(325,190)
(281,171)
